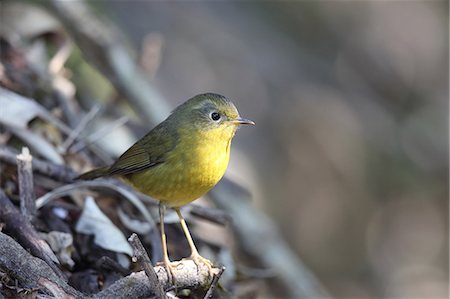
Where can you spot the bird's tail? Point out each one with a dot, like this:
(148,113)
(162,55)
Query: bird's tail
(95,173)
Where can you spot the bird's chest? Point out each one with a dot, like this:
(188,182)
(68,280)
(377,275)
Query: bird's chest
(192,169)
(206,164)
(203,164)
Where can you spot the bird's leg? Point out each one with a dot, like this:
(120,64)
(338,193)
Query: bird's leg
(167,265)
(195,256)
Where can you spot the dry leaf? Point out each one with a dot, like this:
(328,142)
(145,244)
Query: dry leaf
(106,235)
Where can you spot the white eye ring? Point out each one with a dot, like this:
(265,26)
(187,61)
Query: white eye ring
(215,116)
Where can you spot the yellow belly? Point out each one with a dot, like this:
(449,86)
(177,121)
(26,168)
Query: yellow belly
(189,171)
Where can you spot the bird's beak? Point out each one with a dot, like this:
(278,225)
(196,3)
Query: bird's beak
(243,121)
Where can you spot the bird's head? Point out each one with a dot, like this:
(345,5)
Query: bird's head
(210,113)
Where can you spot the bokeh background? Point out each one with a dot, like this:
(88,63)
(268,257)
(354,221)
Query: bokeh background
(350,152)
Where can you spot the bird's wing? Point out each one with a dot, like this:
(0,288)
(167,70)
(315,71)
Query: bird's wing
(149,151)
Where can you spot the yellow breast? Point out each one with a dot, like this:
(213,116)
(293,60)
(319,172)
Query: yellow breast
(190,170)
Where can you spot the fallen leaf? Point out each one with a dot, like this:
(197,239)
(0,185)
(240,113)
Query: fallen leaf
(106,235)
(17,111)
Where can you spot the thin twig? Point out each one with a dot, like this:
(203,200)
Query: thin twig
(19,226)
(99,134)
(99,183)
(58,172)
(26,187)
(213,215)
(67,104)
(143,259)
(214,283)
(110,184)
(81,126)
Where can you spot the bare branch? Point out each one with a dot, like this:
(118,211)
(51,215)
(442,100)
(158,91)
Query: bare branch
(186,274)
(144,261)
(26,187)
(94,137)
(213,215)
(214,283)
(58,172)
(30,271)
(80,127)
(19,226)
(109,184)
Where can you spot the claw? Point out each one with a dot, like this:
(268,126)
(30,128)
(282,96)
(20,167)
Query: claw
(169,271)
(200,260)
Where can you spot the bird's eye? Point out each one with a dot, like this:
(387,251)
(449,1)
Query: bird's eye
(215,116)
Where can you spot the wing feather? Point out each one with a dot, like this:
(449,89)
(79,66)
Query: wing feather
(148,152)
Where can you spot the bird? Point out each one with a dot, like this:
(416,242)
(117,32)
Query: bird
(180,160)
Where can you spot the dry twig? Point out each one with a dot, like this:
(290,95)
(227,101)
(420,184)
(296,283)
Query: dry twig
(32,272)
(26,188)
(109,184)
(214,283)
(79,128)
(213,215)
(55,171)
(94,137)
(187,274)
(19,226)
(143,259)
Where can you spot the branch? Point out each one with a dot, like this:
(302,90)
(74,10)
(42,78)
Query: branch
(79,128)
(210,214)
(17,225)
(31,272)
(186,274)
(26,188)
(94,137)
(55,171)
(214,283)
(103,183)
(144,261)
(213,215)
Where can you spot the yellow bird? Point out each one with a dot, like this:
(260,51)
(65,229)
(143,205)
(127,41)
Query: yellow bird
(181,159)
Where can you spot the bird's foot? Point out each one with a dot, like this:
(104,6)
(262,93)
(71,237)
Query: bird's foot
(199,261)
(169,270)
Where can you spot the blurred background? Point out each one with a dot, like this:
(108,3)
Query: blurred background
(349,156)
